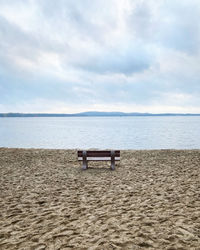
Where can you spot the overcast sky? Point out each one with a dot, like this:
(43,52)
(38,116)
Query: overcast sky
(66,56)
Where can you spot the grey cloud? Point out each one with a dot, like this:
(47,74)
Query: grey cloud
(126,61)
(180,30)
(170,24)
(141,22)
(86,18)
(97,44)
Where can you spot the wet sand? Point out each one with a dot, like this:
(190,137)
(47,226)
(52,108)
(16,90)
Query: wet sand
(151,200)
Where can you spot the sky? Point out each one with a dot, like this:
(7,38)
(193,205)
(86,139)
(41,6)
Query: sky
(68,56)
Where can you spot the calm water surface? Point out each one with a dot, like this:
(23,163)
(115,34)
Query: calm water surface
(101,132)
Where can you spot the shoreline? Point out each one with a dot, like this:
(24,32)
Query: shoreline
(76,149)
(150,201)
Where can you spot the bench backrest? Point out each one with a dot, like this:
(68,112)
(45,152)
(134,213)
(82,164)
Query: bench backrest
(104,155)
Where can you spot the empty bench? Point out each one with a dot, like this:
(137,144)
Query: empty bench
(106,155)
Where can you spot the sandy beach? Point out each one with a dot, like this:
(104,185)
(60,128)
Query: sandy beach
(151,200)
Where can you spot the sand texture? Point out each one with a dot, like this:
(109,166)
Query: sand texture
(151,200)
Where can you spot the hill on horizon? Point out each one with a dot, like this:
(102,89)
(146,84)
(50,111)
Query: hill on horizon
(92,113)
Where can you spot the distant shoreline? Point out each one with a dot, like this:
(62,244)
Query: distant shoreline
(93,114)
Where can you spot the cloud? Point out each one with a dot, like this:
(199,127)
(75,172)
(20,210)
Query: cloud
(124,60)
(83,55)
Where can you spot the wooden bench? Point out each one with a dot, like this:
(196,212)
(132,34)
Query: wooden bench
(106,155)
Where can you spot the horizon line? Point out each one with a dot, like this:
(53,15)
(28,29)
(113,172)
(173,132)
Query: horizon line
(93,113)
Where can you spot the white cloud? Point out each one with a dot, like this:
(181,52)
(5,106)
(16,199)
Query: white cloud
(118,54)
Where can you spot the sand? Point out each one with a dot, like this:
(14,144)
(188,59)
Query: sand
(151,200)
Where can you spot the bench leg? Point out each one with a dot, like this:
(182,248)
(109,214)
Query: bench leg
(112,160)
(85,163)
(85,166)
(113,166)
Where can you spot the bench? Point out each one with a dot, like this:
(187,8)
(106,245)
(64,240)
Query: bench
(106,155)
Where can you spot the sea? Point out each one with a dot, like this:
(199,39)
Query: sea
(135,132)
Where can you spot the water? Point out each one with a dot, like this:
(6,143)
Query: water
(101,132)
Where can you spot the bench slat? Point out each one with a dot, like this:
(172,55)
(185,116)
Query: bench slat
(99,158)
(99,153)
